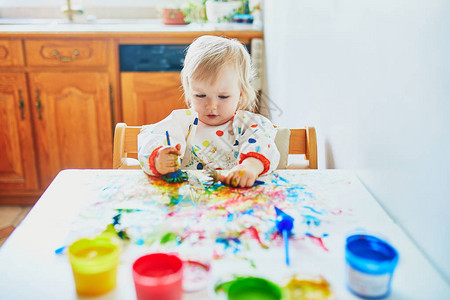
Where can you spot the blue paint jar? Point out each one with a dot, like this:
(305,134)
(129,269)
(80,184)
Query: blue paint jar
(370,265)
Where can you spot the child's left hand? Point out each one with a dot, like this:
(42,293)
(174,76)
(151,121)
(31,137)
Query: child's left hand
(244,174)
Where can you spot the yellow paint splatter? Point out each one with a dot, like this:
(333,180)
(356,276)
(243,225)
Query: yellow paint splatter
(205,143)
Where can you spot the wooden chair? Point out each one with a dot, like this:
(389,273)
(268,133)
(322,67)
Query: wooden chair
(301,141)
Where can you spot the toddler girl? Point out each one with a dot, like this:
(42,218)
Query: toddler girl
(216,132)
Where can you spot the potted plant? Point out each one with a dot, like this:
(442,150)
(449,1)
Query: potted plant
(172,13)
(194,10)
(218,11)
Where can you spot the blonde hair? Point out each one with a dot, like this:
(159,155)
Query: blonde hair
(207,55)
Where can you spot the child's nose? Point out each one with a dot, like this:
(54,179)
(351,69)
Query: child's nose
(211,104)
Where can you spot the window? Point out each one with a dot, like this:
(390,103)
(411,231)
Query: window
(117,9)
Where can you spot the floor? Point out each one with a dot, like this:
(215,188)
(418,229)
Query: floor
(10,218)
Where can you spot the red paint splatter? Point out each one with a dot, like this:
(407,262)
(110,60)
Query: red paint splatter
(318,241)
(219,132)
(200,233)
(337,212)
(254,125)
(217,255)
(254,234)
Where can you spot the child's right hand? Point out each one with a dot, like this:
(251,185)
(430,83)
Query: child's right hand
(167,159)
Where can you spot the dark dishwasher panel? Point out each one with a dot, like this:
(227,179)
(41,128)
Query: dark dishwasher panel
(151,58)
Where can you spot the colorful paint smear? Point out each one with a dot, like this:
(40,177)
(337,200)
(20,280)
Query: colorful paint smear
(152,212)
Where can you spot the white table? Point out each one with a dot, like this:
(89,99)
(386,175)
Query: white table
(30,269)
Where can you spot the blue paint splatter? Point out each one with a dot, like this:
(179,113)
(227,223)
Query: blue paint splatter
(283,179)
(196,121)
(230,217)
(248,212)
(236,143)
(199,166)
(309,194)
(279,178)
(311,220)
(60,250)
(251,140)
(312,209)
(229,242)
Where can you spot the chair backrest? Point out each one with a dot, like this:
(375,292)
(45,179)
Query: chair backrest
(301,141)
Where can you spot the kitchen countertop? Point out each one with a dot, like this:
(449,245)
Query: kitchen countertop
(114,26)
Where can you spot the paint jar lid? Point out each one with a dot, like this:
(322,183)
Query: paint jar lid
(370,254)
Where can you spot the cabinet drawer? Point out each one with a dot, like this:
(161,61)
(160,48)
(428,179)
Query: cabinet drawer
(11,53)
(65,52)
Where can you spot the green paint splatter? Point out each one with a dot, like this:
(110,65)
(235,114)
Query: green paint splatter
(168,237)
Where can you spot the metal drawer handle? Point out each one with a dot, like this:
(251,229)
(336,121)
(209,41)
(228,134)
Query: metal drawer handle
(66,58)
(21,105)
(38,103)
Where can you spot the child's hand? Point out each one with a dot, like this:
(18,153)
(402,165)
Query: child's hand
(244,174)
(167,159)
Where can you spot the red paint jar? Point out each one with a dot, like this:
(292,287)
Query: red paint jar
(158,276)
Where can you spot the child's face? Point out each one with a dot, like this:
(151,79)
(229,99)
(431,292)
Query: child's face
(216,102)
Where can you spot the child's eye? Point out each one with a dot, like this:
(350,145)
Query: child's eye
(200,95)
(224,97)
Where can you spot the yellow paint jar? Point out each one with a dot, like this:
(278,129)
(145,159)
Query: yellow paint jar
(313,288)
(94,265)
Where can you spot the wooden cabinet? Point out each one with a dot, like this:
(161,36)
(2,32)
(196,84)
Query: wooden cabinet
(17,163)
(55,112)
(149,97)
(72,118)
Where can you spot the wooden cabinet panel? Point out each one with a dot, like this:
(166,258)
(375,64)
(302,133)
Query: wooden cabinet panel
(66,52)
(72,121)
(17,162)
(11,53)
(150,97)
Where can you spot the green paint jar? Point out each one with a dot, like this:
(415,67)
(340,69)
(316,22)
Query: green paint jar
(250,288)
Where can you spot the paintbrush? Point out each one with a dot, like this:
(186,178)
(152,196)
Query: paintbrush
(284,223)
(177,176)
(215,177)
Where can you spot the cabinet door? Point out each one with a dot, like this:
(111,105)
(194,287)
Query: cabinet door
(149,97)
(72,118)
(17,159)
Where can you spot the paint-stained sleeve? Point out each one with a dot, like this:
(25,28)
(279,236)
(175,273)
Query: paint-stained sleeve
(153,136)
(256,138)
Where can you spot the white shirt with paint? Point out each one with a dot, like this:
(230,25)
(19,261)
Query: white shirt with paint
(211,147)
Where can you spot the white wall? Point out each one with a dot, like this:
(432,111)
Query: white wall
(374,78)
